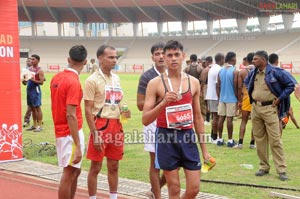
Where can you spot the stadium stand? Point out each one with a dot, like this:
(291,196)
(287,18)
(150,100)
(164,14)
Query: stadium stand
(53,50)
(85,17)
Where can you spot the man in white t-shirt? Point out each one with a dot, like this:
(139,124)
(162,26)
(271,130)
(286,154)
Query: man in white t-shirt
(211,95)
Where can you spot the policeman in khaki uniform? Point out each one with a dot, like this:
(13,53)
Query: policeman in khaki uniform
(269,89)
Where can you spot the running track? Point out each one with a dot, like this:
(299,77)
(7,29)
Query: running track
(20,186)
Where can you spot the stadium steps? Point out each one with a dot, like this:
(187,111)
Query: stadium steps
(126,51)
(210,48)
(288,45)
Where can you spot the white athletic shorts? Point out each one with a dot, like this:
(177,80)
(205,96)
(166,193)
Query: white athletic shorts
(149,137)
(65,150)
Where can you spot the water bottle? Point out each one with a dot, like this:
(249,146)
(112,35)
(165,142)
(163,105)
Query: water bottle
(124,109)
(208,165)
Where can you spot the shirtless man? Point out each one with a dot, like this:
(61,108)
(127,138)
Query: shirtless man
(173,99)
(244,103)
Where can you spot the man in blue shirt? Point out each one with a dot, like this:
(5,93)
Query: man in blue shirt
(227,91)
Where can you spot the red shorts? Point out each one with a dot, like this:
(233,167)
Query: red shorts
(111,132)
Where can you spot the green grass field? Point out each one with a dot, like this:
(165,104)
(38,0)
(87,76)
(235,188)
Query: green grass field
(136,161)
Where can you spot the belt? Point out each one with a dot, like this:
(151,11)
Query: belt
(265,103)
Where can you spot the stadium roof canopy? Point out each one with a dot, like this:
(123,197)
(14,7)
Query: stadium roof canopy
(135,11)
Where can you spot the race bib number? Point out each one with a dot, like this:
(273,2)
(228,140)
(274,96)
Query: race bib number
(179,116)
(113,95)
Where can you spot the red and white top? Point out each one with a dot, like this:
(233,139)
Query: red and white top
(65,90)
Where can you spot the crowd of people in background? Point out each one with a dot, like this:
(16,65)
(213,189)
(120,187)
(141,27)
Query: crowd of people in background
(176,103)
(261,89)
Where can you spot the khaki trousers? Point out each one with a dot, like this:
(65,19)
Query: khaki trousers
(265,124)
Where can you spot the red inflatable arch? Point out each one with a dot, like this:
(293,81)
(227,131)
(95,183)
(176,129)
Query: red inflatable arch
(10,92)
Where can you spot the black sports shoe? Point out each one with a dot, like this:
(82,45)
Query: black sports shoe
(261,172)
(31,128)
(283,176)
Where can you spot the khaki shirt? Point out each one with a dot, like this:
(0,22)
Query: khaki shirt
(95,91)
(261,91)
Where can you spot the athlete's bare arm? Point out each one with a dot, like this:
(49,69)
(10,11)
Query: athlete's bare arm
(140,100)
(235,82)
(41,78)
(242,74)
(88,107)
(240,87)
(73,126)
(198,120)
(218,87)
(203,78)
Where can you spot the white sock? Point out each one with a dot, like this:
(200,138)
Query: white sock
(92,197)
(230,141)
(113,195)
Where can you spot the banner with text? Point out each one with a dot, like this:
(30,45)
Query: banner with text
(287,66)
(10,92)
